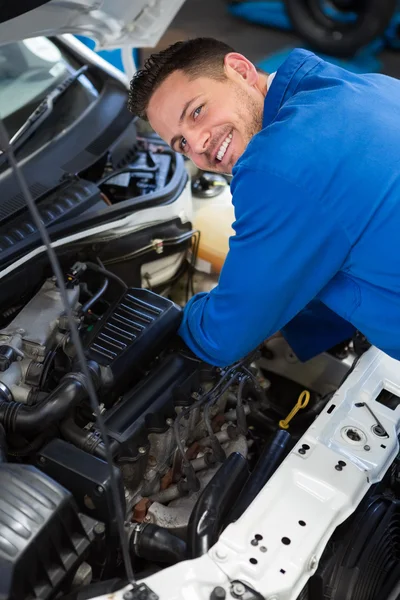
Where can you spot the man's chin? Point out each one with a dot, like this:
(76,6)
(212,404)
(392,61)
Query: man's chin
(222,170)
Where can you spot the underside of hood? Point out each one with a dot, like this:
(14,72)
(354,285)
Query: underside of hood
(111,23)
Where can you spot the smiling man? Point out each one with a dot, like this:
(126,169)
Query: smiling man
(315,155)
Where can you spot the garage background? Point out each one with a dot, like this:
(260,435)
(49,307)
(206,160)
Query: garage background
(211,18)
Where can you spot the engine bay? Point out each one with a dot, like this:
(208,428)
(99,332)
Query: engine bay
(193,446)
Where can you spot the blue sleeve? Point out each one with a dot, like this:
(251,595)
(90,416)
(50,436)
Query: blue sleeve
(316,329)
(284,251)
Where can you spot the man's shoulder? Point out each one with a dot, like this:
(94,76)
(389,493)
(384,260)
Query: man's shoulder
(274,148)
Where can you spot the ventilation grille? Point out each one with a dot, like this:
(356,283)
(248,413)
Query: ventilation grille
(64,203)
(17,202)
(363,560)
(382,561)
(125,325)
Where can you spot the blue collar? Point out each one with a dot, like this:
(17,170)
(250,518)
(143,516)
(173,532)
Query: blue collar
(288,76)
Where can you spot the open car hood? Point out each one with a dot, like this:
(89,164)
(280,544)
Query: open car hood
(111,23)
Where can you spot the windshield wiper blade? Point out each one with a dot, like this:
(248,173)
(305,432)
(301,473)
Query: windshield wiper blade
(45,108)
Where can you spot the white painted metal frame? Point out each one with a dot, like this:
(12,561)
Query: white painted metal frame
(307,498)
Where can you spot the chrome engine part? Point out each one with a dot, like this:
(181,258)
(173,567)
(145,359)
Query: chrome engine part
(171,509)
(27,340)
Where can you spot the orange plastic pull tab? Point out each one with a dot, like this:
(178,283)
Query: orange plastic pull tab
(302,402)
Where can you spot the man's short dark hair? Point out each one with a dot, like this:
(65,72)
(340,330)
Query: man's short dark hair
(196,57)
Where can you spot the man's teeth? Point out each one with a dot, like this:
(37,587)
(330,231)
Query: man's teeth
(224,146)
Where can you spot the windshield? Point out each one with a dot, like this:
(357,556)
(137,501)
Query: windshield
(28,70)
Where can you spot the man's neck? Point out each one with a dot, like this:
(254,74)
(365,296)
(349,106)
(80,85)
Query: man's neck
(262,83)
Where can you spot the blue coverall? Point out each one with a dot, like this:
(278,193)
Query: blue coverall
(316,250)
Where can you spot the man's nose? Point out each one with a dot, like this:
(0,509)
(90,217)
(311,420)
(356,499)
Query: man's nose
(201,141)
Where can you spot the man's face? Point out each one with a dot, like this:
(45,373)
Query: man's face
(209,121)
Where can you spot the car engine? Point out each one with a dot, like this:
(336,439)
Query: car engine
(184,438)
(144,381)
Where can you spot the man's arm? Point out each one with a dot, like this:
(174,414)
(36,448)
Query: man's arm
(286,249)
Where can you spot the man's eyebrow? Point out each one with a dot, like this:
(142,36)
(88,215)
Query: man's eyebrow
(181,118)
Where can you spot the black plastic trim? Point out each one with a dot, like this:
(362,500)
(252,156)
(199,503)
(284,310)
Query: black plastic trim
(171,192)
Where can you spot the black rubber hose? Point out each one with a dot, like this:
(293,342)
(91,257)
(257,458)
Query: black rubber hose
(262,422)
(157,544)
(95,296)
(132,170)
(85,440)
(106,273)
(31,447)
(270,459)
(32,420)
(3,445)
(213,504)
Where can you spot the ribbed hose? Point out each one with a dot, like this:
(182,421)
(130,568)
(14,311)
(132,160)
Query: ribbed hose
(213,504)
(32,420)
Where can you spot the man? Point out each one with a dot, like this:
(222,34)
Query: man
(315,155)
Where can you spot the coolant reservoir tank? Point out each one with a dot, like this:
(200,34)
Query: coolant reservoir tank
(213,217)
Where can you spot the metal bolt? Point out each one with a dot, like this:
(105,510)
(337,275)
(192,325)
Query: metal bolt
(302,451)
(238,589)
(100,489)
(42,460)
(147,519)
(367,448)
(170,421)
(128,596)
(99,529)
(126,494)
(254,542)
(142,450)
(338,468)
(83,575)
(313,563)
(379,431)
(152,461)
(263,549)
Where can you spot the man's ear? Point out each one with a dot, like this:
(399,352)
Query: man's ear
(238,66)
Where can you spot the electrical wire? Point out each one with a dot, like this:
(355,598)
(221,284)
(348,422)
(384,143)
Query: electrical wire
(100,292)
(106,273)
(200,401)
(242,383)
(240,413)
(212,401)
(194,406)
(192,264)
(143,170)
(4,142)
(154,168)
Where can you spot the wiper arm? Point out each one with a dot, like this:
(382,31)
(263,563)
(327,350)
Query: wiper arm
(45,108)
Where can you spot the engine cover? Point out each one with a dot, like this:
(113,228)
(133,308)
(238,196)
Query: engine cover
(131,334)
